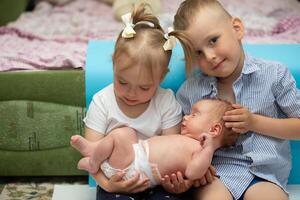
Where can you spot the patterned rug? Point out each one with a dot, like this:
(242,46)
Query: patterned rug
(33,188)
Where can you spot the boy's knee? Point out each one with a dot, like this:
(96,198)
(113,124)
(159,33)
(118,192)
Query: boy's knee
(213,191)
(258,191)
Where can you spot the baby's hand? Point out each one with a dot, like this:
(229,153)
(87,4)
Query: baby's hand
(176,183)
(240,119)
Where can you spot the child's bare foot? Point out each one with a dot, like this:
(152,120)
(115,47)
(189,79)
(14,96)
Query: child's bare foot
(87,165)
(81,144)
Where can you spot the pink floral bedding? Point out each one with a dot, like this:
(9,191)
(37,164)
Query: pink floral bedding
(56,37)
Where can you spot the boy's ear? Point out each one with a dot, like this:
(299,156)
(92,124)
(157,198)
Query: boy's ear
(238,27)
(216,129)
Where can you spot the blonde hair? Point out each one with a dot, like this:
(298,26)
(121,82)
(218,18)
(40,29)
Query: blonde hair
(186,13)
(146,47)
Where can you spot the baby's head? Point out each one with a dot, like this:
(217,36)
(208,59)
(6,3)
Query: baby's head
(215,34)
(206,117)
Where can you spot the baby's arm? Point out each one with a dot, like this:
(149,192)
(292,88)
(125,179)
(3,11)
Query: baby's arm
(201,160)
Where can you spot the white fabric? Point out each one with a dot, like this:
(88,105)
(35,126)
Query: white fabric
(141,163)
(104,114)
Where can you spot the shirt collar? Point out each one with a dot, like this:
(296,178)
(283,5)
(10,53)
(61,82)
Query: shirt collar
(249,65)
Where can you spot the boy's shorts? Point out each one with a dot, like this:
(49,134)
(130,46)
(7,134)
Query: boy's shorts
(253,182)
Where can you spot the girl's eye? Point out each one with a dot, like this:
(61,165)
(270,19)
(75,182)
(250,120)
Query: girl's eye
(122,82)
(145,88)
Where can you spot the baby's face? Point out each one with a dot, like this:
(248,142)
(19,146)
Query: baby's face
(200,120)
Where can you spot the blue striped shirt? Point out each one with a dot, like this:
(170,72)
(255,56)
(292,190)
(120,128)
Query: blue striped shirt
(266,88)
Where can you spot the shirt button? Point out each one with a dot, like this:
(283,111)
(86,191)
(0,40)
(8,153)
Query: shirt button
(254,169)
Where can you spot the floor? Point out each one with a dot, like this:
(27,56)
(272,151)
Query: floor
(34,188)
(62,188)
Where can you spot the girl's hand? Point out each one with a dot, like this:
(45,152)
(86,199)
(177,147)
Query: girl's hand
(176,183)
(240,119)
(134,185)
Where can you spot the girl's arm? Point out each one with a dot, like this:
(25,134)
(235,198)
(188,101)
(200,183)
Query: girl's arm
(173,130)
(116,183)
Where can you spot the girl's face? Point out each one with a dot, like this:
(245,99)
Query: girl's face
(133,86)
(200,120)
(216,39)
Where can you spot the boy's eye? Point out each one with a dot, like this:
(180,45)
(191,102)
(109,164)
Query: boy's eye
(198,52)
(213,40)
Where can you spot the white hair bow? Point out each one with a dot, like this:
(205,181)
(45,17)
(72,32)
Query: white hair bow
(171,40)
(128,31)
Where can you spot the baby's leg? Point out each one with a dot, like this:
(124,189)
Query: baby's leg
(123,153)
(116,147)
(82,145)
(213,191)
(265,191)
(94,152)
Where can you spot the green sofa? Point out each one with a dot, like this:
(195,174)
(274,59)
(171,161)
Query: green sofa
(39,111)
(11,9)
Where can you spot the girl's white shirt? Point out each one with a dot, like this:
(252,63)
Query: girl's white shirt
(104,114)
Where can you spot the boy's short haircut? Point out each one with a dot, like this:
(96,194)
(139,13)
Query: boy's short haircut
(188,10)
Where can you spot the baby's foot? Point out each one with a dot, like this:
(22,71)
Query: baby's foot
(81,144)
(87,164)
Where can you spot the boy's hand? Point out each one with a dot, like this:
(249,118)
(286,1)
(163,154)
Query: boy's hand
(176,183)
(240,119)
(133,185)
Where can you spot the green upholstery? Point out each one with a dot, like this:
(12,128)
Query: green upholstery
(11,9)
(39,111)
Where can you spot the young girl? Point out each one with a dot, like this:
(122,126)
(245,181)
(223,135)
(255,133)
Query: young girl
(263,93)
(140,62)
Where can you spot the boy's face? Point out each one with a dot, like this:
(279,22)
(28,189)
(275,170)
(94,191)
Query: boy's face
(217,41)
(200,120)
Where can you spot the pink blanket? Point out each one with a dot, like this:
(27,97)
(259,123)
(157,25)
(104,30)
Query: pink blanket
(56,37)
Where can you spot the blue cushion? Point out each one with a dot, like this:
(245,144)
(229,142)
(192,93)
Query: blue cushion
(99,74)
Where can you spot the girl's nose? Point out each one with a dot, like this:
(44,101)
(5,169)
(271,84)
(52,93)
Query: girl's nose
(131,91)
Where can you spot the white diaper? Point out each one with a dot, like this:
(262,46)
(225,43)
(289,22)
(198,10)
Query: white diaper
(141,163)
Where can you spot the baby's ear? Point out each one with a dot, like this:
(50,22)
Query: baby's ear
(238,27)
(216,129)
